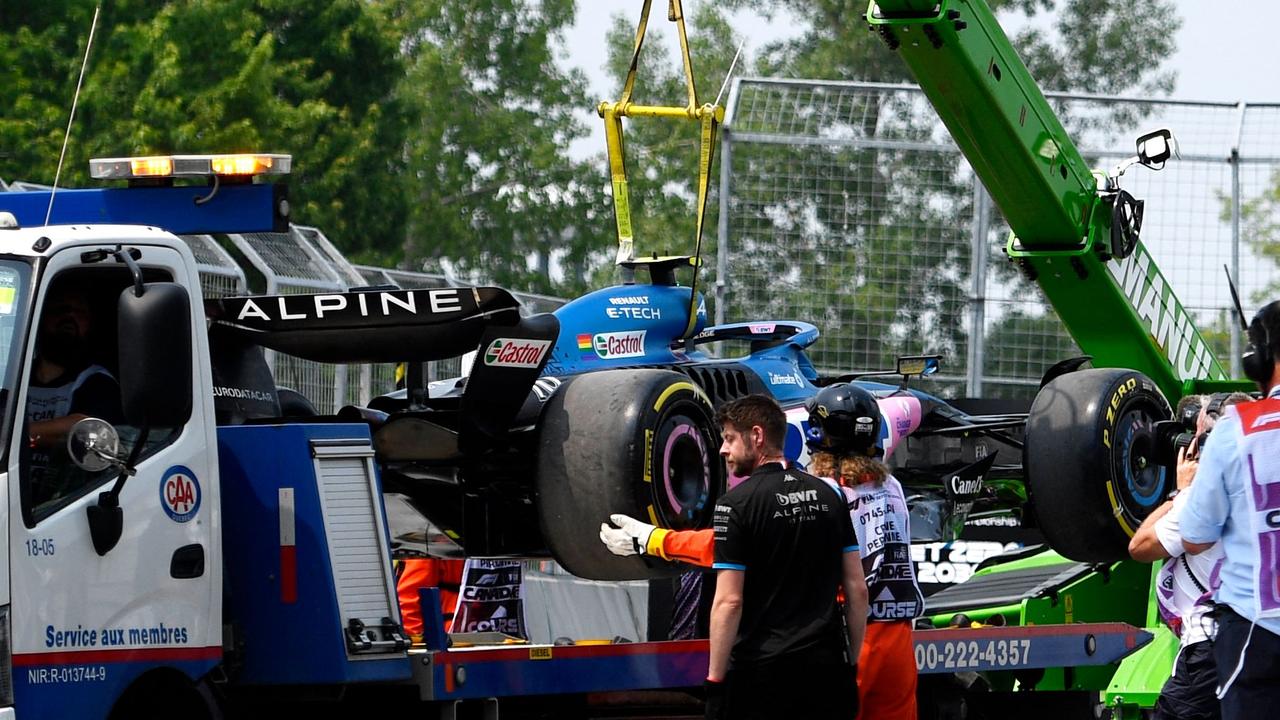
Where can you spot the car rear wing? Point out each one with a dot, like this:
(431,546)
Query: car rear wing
(385,326)
(368,326)
(761,335)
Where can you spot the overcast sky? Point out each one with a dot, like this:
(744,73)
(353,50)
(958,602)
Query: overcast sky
(1227,49)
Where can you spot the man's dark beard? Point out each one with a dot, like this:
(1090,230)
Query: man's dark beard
(65,350)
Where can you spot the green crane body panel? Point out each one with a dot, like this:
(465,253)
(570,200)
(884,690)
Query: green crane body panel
(999,118)
(1122,312)
(1140,677)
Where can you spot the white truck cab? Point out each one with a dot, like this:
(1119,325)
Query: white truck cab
(86,622)
(112,584)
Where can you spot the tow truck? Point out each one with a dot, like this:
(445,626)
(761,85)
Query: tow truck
(206,551)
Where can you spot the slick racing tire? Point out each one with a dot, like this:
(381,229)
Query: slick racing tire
(636,441)
(1091,461)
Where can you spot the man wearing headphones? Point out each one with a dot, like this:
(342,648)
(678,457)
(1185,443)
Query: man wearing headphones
(1235,499)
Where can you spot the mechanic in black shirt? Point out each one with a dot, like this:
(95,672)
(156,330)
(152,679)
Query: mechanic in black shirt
(784,547)
(66,387)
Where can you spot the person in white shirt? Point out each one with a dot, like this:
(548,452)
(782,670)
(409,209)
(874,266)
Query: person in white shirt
(1184,584)
(1235,500)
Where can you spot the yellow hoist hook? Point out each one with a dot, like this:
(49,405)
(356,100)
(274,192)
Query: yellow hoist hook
(709,116)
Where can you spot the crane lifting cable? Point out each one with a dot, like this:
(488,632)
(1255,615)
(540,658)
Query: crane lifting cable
(708,116)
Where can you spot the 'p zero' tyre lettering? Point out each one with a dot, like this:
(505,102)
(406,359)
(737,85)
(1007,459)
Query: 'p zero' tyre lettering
(1091,459)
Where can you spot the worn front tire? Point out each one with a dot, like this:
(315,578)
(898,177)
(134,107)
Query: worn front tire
(1091,461)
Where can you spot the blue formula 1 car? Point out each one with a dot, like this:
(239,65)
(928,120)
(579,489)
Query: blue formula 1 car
(605,406)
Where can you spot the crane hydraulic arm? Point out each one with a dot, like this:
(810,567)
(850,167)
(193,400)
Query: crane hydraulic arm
(1074,231)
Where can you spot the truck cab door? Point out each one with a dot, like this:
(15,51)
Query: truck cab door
(86,625)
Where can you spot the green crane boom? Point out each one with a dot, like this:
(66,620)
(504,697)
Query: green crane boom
(1111,296)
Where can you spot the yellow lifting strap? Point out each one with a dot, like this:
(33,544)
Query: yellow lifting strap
(709,116)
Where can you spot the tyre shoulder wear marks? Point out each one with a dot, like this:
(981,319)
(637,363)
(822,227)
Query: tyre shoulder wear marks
(674,388)
(650,508)
(648,455)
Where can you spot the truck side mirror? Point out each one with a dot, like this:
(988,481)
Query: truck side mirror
(1155,148)
(155,355)
(94,445)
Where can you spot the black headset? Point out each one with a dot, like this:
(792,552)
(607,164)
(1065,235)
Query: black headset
(1258,361)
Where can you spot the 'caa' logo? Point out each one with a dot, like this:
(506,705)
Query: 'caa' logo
(179,493)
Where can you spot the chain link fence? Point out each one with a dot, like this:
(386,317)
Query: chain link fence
(848,205)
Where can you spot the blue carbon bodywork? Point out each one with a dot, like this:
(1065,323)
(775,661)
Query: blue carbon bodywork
(622,326)
(643,325)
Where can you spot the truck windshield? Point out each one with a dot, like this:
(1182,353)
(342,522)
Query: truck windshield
(15,281)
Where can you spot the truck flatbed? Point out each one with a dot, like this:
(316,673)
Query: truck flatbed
(536,669)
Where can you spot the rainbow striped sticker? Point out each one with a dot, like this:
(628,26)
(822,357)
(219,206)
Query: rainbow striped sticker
(585,347)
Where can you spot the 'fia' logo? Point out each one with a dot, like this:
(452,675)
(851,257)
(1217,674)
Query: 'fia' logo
(180,493)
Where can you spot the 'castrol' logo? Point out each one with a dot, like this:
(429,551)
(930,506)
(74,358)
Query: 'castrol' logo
(517,353)
(611,346)
(180,493)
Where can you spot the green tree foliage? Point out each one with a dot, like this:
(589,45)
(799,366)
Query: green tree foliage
(1094,45)
(1260,226)
(841,242)
(493,191)
(310,77)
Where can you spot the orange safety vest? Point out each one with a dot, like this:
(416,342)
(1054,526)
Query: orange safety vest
(415,573)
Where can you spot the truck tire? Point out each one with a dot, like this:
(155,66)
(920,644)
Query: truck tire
(636,441)
(1090,460)
(166,693)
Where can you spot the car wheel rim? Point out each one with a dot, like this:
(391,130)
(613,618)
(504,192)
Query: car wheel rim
(683,478)
(1142,475)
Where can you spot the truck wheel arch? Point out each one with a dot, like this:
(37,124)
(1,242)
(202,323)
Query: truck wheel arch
(166,693)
